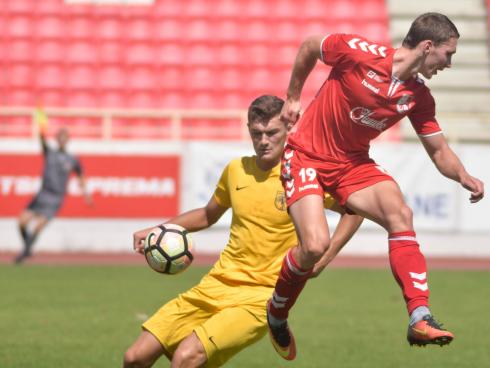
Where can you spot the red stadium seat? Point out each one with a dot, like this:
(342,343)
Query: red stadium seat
(21,51)
(112,78)
(142,78)
(170,78)
(81,52)
(19,26)
(19,75)
(139,29)
(110,28)
(81,77)
(50,77)
(140,54)
(172,54)
(50,27)
(81,28)
(50,51)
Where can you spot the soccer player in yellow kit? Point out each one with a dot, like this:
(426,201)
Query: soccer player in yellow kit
(225,312)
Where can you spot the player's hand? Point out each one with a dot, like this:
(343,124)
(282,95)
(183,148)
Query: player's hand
(290,112)
(139,239)
(475,186)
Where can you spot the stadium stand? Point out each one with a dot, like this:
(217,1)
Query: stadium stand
(171,55)
(462,95)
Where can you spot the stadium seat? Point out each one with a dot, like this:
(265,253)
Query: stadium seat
(21,51)
(49,98)
(140,54)
(142,78)
(110,52)
(110,28)
(139,29)
(50,52)
(110,99)
(50,27)
(170,54)
(82,99)
(19,26)
(230,54)
(112,78)
(19,75)
(20,96)
(201,54)
(81,77)
(50,77)
(81,52)
(81,27)
(170,78)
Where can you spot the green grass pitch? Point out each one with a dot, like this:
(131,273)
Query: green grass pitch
(86,316)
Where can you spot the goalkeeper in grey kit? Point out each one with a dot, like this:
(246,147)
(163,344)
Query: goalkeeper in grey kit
(58,165)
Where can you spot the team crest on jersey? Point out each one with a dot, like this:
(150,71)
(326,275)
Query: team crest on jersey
(280,201)
(404,104)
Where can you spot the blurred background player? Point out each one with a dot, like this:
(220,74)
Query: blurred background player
(58,165)
(225,313)
(370,88)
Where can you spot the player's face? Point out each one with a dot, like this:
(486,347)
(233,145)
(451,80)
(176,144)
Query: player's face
(268,140)
(438,57)
(62,137)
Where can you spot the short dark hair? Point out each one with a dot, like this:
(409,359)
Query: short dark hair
(430,26)
(264,108)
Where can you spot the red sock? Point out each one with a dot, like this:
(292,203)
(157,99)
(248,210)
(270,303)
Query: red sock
(409,268)
(290,282)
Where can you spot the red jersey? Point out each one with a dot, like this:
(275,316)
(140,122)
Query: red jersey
(359,100)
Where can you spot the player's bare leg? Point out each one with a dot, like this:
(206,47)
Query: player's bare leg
(30,225)
(312,229)
(383,203)
(144,352)
(190,353)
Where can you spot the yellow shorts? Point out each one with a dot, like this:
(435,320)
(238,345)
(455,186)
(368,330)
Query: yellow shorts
(225,318)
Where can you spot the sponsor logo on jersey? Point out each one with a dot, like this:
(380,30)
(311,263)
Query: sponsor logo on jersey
(404,104)
(280,200)
(362,116)
(372,75)
(365,46)
(308,186)
(370,86)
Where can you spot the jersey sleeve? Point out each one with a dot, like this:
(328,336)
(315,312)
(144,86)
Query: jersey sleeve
(335,49)
(423,115)
(222,191)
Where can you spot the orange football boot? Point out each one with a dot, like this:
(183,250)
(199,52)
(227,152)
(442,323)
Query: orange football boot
(428,331)
(282,339)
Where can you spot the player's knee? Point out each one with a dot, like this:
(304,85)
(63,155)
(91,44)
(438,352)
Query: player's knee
(189,358)
(315,246)
(406,215)
(189,355)
(132,359)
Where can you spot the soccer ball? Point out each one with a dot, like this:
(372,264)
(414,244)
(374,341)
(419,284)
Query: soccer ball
(168,249)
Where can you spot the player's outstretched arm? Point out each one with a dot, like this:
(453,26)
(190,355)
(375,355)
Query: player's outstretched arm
(308,53)
(346,228)
(449,165)
(193,220)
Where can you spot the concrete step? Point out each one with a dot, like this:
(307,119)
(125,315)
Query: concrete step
(466,78)
(451,8)
(473,29)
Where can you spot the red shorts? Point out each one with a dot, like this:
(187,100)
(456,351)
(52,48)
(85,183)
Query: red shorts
(302,175)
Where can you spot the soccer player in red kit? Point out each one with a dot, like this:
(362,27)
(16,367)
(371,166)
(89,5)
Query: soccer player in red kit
(369,89)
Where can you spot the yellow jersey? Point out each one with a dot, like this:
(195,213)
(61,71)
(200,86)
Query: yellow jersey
(261,230)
